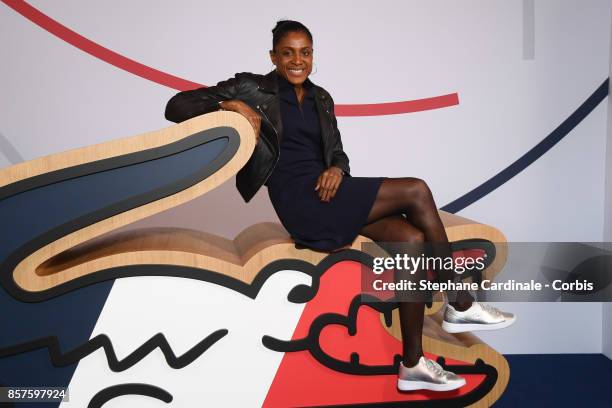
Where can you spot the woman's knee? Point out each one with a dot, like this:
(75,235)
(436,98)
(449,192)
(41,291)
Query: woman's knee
(417,192)
(420,187)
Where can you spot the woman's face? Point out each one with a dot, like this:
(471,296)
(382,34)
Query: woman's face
(293,57)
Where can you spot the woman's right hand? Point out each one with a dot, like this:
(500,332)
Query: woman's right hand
(236,105)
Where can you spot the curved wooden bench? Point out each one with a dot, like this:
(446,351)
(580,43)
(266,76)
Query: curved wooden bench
(240,258)
(259,245)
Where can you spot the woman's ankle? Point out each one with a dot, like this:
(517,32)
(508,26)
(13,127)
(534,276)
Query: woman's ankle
(410,360)
(463,301)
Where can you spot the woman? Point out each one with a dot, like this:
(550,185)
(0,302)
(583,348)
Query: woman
(299,157)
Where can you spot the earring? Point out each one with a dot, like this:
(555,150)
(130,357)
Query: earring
(315,69)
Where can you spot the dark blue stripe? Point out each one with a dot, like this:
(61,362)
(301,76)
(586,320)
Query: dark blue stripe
(532,155)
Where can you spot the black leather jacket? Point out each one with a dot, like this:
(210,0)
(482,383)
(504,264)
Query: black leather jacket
(260,92)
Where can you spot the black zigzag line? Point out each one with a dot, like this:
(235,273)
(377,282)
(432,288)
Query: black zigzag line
(60,359)
(299,294)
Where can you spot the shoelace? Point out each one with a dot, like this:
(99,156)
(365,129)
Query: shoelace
(490,309)
(432,365)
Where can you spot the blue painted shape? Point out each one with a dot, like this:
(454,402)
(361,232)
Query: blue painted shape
(32,213)
(557,380)
(71,317)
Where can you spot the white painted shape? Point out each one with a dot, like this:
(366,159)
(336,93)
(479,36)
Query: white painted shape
(235,371)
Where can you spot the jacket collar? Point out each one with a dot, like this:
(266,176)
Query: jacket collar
(269,83)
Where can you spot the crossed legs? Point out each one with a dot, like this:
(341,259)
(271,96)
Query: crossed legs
(385,223)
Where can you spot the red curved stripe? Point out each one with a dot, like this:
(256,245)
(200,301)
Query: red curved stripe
(96,50)
(180,84)
(392,108)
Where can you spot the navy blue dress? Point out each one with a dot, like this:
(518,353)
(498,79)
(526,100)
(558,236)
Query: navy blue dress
(311,222)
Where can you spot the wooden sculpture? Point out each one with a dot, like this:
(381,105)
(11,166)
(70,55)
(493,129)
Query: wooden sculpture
(59,214)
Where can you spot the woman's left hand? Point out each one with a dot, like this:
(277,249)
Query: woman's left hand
(328,183)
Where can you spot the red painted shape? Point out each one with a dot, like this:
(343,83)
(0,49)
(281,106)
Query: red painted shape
(77,40)
(393,108)
(303,381)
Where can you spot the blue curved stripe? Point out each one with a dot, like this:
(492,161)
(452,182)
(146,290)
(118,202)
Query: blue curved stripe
(32,213)
(532,155)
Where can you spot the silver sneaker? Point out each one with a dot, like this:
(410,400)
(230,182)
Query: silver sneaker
(427,375)
(480,316)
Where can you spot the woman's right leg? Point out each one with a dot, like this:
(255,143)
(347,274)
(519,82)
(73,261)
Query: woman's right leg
(415,372)
(396,229)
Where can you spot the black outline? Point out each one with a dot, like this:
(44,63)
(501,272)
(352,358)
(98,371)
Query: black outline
(59,359)
(464,400)
(250,290)
(476,243)
(115,162)
(12,260)
(311,344)
(299,294)
(148,390)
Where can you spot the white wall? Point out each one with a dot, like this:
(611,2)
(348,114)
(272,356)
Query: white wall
(56,97)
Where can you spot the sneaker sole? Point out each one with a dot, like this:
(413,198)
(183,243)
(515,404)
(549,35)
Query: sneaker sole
(469,327)
(407,385)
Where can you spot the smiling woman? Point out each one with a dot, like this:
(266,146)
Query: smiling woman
(299,157)
(292,58)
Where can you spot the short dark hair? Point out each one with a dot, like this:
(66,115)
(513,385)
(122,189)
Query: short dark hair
(287,26)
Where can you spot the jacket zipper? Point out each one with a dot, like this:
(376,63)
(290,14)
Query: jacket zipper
(276,134)
(331,128)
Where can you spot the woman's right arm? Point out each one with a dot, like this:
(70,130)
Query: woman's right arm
(225,95)
(189,104)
